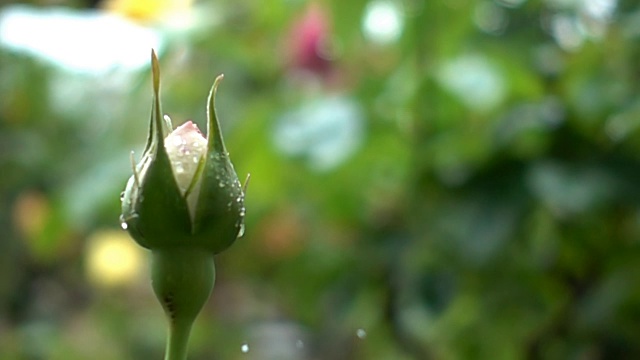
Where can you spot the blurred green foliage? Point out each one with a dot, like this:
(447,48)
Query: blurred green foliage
(460,186)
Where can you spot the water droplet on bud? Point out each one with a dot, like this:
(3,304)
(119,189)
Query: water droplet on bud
(123,223)
(244,348)
(361,333)
(240,229)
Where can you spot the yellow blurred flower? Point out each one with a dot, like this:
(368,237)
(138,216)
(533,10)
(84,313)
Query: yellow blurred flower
(148,10)
(112,259)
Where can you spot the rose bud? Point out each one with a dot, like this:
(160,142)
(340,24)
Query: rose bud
(184,191)
(183,202)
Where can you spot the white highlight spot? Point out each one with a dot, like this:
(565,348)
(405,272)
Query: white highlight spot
(79,41)
(382,22)
(324,131)
(476,81)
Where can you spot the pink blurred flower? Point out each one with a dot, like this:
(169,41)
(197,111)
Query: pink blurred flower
(308,41)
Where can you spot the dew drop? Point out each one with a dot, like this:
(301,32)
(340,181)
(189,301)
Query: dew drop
(244,348)
(221,184)
(299,344)
(361,333)
(240,230)
(195,159)
(122,196)
(123,223)
(179,168)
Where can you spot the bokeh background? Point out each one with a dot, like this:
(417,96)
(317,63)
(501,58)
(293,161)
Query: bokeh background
(444,179)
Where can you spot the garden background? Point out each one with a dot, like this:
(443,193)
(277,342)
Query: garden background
(444,179)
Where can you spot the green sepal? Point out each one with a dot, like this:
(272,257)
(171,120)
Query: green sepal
(156,214)
(155,103)
(163,217)
(219,216)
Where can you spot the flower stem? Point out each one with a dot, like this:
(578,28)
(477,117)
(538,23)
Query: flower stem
(178,341)
(182,279)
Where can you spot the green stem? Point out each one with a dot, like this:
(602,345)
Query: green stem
(178,341)
(182,279)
